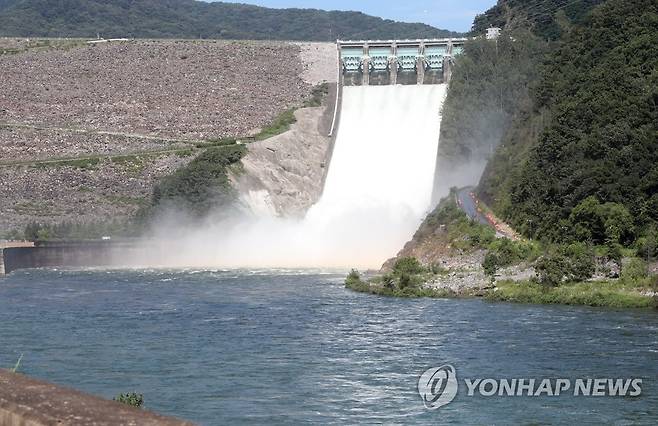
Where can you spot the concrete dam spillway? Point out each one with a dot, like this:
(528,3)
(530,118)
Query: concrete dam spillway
(380,178)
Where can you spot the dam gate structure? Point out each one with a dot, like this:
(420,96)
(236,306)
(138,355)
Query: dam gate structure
(390,62)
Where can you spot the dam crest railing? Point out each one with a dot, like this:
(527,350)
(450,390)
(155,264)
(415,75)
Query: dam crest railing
(384,62)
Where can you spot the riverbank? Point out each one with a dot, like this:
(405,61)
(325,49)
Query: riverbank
(459,252)
(611,294)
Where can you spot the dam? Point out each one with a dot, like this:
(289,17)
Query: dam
(376,191)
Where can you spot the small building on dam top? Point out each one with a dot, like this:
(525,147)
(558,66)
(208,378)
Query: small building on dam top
(383,62)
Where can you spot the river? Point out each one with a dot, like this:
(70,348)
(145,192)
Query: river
(287,346)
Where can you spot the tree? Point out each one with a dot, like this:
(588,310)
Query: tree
(618,223)
(551,269)
(580,259)
(584,147)
(408,265)
(573,262)
(586,221)
(490,265)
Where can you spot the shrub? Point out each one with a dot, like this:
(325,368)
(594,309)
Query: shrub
(647,246)
(408,265)
(479,235)
(405,281)
(132,399)
(388,281)
(353,277)
(551,269)
(634,271)
(317,95)
(510,252)
(613,251)
(203,183)
(581,263)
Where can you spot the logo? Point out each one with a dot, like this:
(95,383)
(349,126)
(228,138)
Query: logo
(438,386)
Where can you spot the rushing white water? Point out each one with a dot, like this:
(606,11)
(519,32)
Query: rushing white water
(377,191)
(380,177)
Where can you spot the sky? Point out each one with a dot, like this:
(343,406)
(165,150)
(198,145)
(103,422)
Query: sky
(455,15)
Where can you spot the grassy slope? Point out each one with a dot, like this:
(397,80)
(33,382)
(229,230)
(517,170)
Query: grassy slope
(608,294)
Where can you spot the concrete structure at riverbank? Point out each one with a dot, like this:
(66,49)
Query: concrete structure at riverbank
(71,254)
(5,245)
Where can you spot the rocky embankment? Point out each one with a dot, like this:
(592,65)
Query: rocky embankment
(86,130)
(284,175)
(452,255)
(191,89)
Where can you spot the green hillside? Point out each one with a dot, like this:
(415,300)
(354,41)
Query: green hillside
(490,90)
(194,19)
(591,172)
(548,19)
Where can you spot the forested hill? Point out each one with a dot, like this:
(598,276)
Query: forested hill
(194,19)
(548,19)
(567,120)
(491,82)
(582,162)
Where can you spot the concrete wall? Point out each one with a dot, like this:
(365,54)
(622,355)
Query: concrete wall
(4,245)
(28,402)
(335,99)
(65,254)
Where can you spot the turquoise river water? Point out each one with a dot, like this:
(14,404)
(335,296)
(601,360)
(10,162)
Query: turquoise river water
(285,346)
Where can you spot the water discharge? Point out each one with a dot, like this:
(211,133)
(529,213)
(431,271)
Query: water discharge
(377,191)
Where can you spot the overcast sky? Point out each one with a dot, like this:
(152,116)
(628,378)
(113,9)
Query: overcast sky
(456,15)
